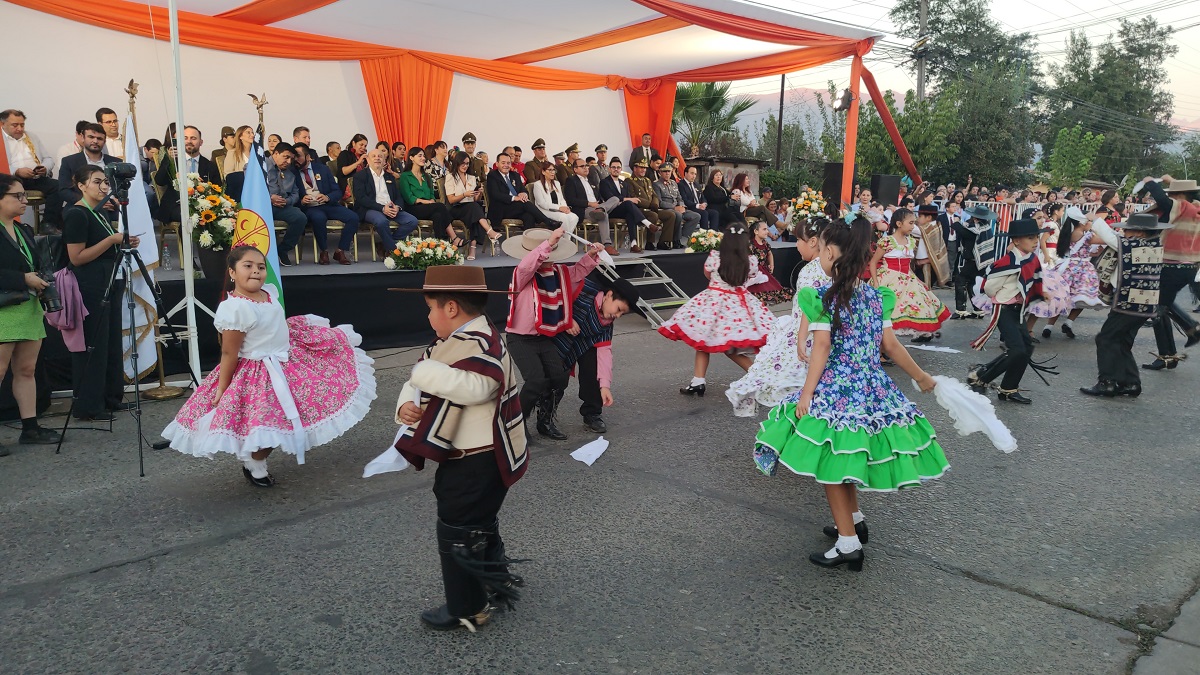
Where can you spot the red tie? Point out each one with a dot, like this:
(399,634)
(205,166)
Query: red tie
(308,178)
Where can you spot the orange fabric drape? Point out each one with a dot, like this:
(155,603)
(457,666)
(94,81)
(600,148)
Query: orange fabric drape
(772,64)
(649,105)
(409,98)
(741,26)
(885,116)
(849,153)
(263,12)
(605,39)
(3,157)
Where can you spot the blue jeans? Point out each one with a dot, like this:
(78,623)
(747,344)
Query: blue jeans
(318,216)
(406,224)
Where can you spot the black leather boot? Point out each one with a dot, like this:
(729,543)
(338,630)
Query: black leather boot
(461,551)
(545,418)
(1101,388)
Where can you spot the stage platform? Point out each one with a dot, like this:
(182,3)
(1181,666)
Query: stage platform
(357,294)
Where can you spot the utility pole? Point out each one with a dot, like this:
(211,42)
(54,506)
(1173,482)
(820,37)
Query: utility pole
(779,129)
(922,39)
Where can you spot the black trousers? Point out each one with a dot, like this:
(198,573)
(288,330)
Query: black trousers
(1013,362)
(470,213)
(52,213)
(540,365)
(589,385)
(99,381)
(1114,348)
(437,213)
(469,495)
(525,212)
(1175,277)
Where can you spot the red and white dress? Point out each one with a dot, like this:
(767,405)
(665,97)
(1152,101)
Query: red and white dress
(918,311)
(722,317)
(298,384)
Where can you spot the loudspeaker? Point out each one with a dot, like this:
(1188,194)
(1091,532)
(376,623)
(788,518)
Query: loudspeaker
(885,189)
(831,186)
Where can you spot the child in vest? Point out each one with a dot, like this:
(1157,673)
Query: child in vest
(1135,298)
(542,295)
(1014,281)
(469,421)
(587,345)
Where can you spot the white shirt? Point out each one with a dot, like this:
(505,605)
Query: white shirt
(587,189)
(455,187)
(263,323)
(19,156)
(114,147)
(190,164)
(381,191)
(68,150)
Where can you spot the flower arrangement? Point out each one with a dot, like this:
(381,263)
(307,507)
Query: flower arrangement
(415,253)
(810,204)
(703,241)
(212,214)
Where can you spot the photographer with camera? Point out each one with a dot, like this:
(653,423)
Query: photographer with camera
(21,327)
(93,247)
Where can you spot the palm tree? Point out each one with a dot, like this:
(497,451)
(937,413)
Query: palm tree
(705,111)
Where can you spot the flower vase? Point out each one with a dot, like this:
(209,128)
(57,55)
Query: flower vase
(212,263)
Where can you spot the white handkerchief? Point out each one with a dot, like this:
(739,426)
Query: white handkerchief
(971,412)
(932,348)
(591,452)
(390,460)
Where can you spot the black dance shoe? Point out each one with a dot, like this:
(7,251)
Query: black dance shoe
(853,560)
(1193,338)
(123,405)
(1102,388)
(921,339)
(860,529)
(1067,331)
(1015,397)
(441,619)
(1130,390)
(595,424)
(692,389)
(1046,332)
(977,385)
(546,425)
(264,482)
(98,417)
(39,436)
(1159,364)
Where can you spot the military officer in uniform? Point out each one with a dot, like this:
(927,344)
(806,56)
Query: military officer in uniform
(478,166)
(662,221)
(533,168)
(598,172)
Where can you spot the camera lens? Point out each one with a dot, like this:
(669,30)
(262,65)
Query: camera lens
(50,301)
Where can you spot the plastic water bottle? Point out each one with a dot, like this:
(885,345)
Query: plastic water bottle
(626,244)
(165,261)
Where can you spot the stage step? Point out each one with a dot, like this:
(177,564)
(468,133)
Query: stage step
(650,275)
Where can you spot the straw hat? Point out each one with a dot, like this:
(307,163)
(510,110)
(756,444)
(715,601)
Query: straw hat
(452,279)
(520,246)
(1182,186)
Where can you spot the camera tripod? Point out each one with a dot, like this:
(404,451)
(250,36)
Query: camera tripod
(128,257)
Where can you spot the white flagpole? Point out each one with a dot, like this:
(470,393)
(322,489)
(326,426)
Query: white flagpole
(185,230)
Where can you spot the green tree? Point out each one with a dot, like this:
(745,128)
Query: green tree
(926,128)
(963,36)
(995,134)
(1073,155)
(704,113)
(795,141)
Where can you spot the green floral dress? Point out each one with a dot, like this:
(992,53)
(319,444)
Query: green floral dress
(860,428)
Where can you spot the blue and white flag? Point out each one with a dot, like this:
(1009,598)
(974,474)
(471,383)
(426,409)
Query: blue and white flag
(140,224)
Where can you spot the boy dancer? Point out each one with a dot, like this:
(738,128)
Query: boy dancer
(588,344)
(1135,299)
(1014,281)
(469,422)
(542,294)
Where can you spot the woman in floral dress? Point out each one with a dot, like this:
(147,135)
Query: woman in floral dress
(918,312)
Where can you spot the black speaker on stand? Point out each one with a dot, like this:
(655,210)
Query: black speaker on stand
(885,189)
(831,186)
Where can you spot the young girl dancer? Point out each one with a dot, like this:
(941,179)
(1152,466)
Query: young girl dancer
(289,383)
(769,291)
(918,311)
(1077,273)
(777,372)
(1056,296)
(725,317)
(850,427)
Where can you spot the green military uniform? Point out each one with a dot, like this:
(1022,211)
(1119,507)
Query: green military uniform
(662,221)
(477,167)
(535,166)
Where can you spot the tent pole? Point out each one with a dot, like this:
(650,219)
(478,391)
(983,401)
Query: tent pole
(850,150)
(185,230)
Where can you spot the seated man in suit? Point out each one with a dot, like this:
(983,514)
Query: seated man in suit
(285,199)
(628,209)
(321,202)
(667,191)
(507,198)
(93,153)
(168,210)
(693,201)
(377,199)
(662,228)
(584,203)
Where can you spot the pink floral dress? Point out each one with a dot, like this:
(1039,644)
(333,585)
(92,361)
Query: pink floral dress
(722,317)
(298,384)
(1080,276)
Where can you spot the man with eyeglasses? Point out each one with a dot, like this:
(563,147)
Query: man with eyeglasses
(582,200)
(108,120)
(25,161)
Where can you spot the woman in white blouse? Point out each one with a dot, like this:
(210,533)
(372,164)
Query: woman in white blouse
(548,197)
(464,195)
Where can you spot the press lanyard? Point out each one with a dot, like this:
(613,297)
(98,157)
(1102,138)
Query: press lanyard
(103,221)
(23,246)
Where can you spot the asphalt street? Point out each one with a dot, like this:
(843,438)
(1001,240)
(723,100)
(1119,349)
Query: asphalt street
(671,554)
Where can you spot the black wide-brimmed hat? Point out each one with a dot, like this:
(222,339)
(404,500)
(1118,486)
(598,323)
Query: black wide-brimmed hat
(1146,222)
(1025,227)
(981,212)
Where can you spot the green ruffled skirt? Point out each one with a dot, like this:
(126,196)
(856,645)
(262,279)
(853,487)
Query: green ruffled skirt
(896,457)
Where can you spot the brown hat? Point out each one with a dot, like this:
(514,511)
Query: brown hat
(452,279)
(927,209)
(642,163)
(1182,186)
(574,147)
(559,155)
(469,138)
(226,131)
(539,144)
(602,148)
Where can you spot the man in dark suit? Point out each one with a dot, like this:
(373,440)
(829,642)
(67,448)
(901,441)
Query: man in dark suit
(948,219)
(321,203)
(194,162)
(693,200)
(507,197)
(643,152)
(93,153)
(584,203)
(628,209)
(377,199)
